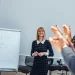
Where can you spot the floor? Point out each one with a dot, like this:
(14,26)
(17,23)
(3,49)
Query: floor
(19,73)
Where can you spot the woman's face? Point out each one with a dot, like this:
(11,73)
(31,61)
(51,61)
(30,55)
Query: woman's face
(41,33)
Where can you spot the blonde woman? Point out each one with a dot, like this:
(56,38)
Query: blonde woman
(39,51)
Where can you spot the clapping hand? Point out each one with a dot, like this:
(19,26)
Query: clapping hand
(41,54)
(35,53)
(55,40)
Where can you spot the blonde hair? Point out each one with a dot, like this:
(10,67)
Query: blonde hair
(37,36)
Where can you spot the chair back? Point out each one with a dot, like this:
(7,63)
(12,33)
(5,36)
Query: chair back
(29,61)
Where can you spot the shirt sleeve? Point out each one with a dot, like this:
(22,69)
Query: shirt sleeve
(47,53)
(69,58)
(49,46)
(32,48)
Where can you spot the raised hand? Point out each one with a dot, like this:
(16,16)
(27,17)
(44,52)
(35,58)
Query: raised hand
(67,31)
(58,42)
(56,31)
(59,29)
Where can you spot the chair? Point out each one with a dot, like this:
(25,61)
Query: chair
(59,67)
(62,67)
(28,65)
(29,61)
(23,69)
(50,62)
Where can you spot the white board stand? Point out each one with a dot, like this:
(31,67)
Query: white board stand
(9,50)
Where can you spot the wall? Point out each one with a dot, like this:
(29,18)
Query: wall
(28,15)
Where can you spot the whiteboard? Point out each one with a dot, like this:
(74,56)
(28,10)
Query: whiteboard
(9,49)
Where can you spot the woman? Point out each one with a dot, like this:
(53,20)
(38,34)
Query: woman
(39,51)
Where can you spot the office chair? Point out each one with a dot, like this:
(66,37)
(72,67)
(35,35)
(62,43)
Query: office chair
(29,61)
(61,66)
(28,65)
(50,68)
(23,69)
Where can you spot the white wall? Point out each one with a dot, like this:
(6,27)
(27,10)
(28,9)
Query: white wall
(28,15)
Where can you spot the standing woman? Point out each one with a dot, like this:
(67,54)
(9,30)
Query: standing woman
(39,51)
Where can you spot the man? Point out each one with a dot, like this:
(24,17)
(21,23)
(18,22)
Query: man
(64,45)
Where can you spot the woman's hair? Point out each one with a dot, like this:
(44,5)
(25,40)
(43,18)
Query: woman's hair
(73,40)
(37,36)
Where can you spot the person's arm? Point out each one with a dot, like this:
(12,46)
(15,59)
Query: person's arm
(49,46)
(32,49)
(69,58)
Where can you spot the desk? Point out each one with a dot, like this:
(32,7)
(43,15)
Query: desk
(48,57)
(56,57)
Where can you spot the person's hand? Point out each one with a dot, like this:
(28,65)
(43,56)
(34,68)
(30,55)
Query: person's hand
(57,31)
(41,54)
(67,31)
(35,53)
(57,42)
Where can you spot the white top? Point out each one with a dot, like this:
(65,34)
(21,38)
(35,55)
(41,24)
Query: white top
(40,42)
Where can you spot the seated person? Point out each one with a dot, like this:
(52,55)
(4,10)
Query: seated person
(65,46)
